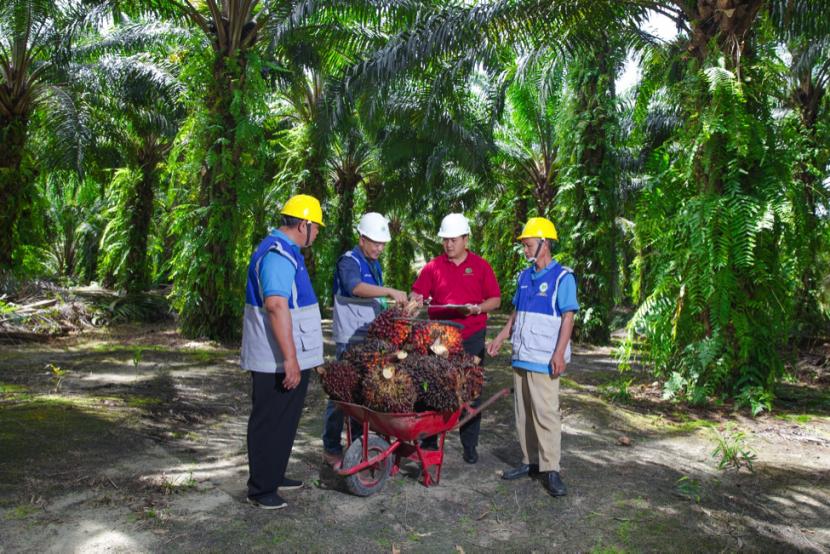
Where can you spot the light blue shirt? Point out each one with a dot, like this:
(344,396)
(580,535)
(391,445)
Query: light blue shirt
(276,272)
(565,302)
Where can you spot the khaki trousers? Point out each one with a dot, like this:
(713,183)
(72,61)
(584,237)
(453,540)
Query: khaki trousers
(538,420)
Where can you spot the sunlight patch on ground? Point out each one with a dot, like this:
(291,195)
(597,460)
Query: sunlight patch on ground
(92,536)
(116,378)
(189,475)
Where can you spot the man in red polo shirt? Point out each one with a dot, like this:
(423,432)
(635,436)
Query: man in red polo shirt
(462,279)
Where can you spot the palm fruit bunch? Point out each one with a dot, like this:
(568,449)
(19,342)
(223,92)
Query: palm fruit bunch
(371,353)
(436,382)
(391,326)
(469,375)
(341,381)
(430,337)
(449,335)
(420,338)
(386,389)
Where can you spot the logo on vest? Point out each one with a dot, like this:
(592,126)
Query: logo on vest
(543,289)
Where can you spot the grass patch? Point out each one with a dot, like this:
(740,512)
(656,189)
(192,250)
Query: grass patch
(801,419)
(8,388)
(569,383)
(20,512)
(137,401)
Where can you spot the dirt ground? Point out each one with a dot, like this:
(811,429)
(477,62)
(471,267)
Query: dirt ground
(132,439)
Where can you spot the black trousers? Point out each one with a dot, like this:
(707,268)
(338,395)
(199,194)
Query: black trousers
(275,416)
(473,345)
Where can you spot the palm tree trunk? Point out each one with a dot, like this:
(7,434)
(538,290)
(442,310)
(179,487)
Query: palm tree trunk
(141,216)
(595,196)
(808,99)
(398,257)
(345,188)
(211,286)
(13,181)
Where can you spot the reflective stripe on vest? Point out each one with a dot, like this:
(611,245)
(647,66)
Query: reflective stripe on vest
(352,314)
(537,324)
(260,350)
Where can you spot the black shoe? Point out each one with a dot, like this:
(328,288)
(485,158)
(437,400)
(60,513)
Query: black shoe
(290,484)
(470,455)
(268,502)
(555,485)
(519,471)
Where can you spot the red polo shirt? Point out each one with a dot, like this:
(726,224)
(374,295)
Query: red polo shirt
(470,282)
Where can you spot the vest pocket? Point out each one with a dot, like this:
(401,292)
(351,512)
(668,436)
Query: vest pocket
(310,335)
(540,338)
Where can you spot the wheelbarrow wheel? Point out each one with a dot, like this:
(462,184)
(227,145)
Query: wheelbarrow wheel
(370,480)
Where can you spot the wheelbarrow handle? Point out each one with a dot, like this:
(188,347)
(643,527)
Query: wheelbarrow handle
(473,412)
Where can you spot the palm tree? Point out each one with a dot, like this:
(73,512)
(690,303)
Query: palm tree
(32,33)
(137,104)
(809,78)
(528,150)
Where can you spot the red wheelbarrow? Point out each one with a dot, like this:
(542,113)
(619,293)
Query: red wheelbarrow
(369,461)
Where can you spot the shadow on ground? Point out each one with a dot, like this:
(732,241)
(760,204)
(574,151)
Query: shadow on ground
(134,441)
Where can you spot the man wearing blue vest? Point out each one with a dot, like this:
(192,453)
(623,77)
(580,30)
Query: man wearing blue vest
(541,323)
(282,338)
(359,295)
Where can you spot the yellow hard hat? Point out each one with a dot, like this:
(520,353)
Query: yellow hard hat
(303,206)
(538,228)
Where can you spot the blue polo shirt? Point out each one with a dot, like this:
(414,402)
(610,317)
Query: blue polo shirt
(276,272)
(565,302)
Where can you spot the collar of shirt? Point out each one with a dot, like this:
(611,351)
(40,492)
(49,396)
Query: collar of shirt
(279,234)
(373,264)
(539,273)
(447,259)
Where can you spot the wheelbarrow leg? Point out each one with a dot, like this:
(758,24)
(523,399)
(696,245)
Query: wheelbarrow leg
(431,458)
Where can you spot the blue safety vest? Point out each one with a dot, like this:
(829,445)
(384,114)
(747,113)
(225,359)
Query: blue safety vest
(538,320)
(352,314)
(260,350)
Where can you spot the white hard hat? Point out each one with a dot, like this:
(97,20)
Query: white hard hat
(454,225)
(374,227)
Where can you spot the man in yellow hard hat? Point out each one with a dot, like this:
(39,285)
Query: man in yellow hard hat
(282,338)
(541,324)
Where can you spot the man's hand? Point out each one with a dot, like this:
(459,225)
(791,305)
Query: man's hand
(470,309)
(398,296)
(419,298)
(495,345)
(292,374)
(557,362)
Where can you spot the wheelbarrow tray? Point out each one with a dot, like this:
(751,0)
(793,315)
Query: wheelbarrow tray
(404,426)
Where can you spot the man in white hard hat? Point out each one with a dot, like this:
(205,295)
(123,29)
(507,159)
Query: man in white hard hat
(359,296)
(466,283)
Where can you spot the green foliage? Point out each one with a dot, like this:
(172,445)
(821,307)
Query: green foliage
(588,134)
(731,449)
(617,390)
(113,269)
(73,219)
(687,487)
(716,319)
(221,141)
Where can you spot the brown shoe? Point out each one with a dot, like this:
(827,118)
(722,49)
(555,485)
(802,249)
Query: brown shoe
(334,459)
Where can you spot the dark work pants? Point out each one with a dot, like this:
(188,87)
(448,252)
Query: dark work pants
(473,345)
(275,415)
